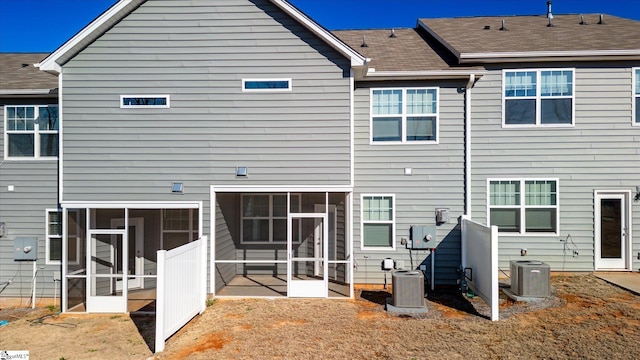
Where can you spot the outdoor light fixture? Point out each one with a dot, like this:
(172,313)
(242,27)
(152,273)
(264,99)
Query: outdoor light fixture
(637,198)
(242,171)
(177,188)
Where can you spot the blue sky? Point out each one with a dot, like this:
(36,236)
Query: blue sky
(43,25)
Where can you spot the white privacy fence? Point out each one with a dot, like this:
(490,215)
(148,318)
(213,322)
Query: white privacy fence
(480,256)
(182,288)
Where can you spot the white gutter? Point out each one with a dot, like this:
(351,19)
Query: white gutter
(582,55)
(372,74)
(25,91)
(467,142)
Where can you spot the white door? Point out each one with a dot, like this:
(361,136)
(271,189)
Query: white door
(305,256)
(102,276)
(611,231)
(135,258)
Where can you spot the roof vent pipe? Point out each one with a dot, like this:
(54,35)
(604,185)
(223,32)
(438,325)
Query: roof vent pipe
(364,41)
(582,22)
(549,14)
(601,22)
(503,28)
(393,33)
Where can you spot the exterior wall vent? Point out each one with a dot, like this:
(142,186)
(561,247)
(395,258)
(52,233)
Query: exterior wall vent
(530,278)
(408,289)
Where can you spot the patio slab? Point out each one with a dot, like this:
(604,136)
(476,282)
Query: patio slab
(626,280)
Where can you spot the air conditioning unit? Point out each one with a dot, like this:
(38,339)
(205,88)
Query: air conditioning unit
(408,289)
(530,278)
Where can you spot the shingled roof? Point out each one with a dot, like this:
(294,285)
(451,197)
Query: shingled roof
(474,38)
(18,76)
(401,50)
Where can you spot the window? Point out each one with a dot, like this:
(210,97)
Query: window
(144,101)
(378,219)
(31,132)
(266,85)
(524,206)
(538,98)
(404,115)
(54,237)
(264,218)
(636,97)
(179,227)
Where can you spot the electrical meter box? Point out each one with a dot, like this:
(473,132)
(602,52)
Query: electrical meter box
(25,249)
(422,237)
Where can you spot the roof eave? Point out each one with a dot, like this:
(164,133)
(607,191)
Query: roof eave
(423,75)
(357,60)
(22,92)
(548,56)
(50,64)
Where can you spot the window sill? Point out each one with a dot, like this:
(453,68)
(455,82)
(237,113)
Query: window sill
(370,248)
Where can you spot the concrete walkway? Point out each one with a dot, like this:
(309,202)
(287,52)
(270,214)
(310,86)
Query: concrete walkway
(626,280)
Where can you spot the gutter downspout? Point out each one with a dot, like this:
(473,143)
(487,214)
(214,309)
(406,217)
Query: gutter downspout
(467,142)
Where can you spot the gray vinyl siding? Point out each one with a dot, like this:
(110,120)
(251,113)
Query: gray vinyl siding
(23,212)
(437,181)
(198,55)
(600,153)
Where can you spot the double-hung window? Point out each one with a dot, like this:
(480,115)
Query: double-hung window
(404,115)
(524,206)
(264,218)
(378,222)
(31,132)
(538,97)
(636,97)
(54,237)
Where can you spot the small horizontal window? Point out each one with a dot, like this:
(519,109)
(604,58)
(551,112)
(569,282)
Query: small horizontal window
(266,84)
(144,101)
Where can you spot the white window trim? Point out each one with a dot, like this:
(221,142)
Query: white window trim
(123,106)
(523,207)
(393,223)
(49,236)
(270,218)
(539,98)
(288,80)
(404,115)
(634,108)
(36,135)
(190,231)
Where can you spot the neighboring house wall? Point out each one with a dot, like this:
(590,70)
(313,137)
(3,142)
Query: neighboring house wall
(35,185)
(437,181)
(600,152)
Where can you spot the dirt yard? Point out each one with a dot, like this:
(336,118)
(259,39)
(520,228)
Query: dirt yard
(586,318)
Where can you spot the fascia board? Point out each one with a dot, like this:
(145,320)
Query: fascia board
(586,55)
(50,64)
(354,56)
(422,75)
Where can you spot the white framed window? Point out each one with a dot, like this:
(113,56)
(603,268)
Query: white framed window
(145,101)
(264,218)
(179,227)
(266,85)
(377,214)
(31,132)
(524,206)
(636,97)
(404,115)
(54,236)
(538,97)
